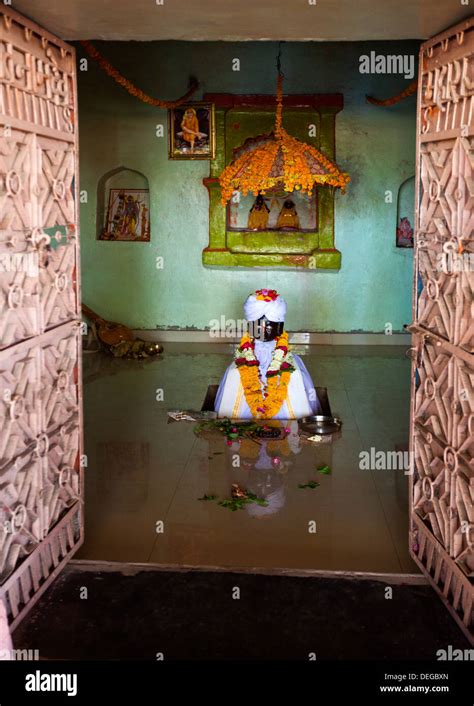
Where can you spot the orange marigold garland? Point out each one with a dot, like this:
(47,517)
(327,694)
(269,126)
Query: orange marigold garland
(409,90)
(129,86)
(265,401)
(251,172)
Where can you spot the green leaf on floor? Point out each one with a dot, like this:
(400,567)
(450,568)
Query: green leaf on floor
(325,470)
(237,503)
(311,484)
(231,429)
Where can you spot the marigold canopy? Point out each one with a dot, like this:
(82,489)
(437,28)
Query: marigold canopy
(282,159)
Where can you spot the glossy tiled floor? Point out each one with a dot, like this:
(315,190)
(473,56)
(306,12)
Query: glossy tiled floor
(143,470)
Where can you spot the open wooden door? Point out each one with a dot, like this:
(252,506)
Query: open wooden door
(41,486)
(442,397)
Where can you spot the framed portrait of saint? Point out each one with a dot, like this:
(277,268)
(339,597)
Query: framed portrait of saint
(128,215)
(191,131)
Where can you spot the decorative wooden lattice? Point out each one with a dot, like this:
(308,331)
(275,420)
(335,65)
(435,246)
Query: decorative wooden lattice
(40,417)
(442,414)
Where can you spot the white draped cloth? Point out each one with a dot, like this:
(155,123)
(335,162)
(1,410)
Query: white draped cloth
(301,401)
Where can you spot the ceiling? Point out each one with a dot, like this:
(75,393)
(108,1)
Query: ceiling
(237,20)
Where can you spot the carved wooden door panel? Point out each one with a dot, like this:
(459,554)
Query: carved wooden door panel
(442,400)
(41,484)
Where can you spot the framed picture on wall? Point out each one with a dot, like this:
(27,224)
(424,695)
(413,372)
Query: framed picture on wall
(128,215)
(191,131)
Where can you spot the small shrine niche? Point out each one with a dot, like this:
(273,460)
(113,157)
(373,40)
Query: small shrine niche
(278,229)
(123,206)
(275,211)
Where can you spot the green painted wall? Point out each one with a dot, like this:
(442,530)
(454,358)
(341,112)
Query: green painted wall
(375,145)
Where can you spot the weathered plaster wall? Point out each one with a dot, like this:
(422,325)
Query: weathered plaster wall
(375,145)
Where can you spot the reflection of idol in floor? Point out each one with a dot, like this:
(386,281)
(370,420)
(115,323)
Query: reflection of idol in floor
(264,466)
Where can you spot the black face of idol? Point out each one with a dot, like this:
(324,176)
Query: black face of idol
(267,330)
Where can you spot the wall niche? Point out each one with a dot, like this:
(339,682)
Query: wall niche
(123,206)
(240,120)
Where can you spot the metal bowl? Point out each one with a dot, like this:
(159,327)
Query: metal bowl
(320,424)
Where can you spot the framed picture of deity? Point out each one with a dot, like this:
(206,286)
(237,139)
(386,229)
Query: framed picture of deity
(128,216)
(192,132)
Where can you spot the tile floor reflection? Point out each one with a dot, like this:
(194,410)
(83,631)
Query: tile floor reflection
(143,470)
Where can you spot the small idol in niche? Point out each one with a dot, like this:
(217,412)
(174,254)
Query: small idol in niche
(190,128)
(288,217)
(258,214)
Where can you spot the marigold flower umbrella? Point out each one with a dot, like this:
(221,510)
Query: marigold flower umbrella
(281,160)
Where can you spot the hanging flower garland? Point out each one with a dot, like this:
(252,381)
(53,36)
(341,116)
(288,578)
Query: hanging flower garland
(282,160)
(129,86)
(265,403)
(393,100)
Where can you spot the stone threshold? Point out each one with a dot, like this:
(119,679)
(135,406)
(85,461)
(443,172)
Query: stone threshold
(129,568)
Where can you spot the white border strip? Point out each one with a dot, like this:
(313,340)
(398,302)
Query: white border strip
(330,339)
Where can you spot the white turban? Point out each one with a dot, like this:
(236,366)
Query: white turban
(255,308)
